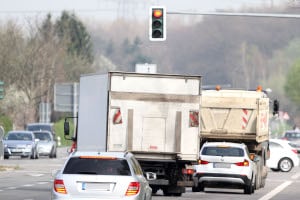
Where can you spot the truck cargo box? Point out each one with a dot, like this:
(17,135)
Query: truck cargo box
(235,115)
(154,116)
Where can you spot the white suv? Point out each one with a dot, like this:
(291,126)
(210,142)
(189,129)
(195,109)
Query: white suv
(225,164)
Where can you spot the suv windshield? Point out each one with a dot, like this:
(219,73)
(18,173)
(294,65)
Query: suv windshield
(77,165)
(223,151)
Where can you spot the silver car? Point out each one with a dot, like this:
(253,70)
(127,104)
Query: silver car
(20,143)
(46,146)
(102,176)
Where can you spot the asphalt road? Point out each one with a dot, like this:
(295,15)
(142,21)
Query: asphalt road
(25,179)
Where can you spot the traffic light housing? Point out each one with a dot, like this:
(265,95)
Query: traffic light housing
(157,25)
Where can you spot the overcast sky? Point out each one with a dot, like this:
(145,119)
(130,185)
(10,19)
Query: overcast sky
(112,9)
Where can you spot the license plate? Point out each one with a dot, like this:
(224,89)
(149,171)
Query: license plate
(222,165)
(16,150)
(95,186)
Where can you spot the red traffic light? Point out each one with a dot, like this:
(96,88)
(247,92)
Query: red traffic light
(157,13)
(157,23)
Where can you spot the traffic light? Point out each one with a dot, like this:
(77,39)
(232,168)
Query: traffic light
(1,89)
(157,25)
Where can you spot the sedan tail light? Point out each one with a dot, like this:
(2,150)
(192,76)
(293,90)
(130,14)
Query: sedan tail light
(133,189)
(245,163)
(59,186)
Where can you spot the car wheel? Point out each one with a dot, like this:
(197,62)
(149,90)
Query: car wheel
(33,154)
(285,165)
(249,189)
(6,157)
(37,155)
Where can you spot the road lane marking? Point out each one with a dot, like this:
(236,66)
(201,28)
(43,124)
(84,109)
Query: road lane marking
(27,185)
(42,183)
(276,190)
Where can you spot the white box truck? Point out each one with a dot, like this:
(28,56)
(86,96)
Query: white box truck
(154,116)
(240,116)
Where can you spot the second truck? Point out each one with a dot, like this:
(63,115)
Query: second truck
(238,116)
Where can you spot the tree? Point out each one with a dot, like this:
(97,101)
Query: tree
(72,31)
(292,86)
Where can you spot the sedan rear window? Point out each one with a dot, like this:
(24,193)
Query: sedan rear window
(223,151)
(77,165)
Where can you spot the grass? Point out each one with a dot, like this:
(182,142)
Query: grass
(8,168)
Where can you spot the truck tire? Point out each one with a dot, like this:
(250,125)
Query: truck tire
(258,177)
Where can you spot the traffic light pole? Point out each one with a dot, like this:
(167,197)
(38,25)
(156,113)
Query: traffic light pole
(273,15)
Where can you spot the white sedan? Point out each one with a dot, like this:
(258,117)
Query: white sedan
(283,157)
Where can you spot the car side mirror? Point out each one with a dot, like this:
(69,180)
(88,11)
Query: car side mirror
(254,157)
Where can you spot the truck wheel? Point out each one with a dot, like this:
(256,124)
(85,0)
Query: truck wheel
(154,190)
(258,179)
(285,165)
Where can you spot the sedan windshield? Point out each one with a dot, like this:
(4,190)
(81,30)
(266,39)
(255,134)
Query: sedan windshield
(19,136)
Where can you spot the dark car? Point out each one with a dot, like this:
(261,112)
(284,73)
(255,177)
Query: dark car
(20,143)
(294,138)
(41,127)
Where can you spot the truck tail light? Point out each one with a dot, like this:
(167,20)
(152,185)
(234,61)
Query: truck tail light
(59,186)
(133,189)
(188,171)
(245,163)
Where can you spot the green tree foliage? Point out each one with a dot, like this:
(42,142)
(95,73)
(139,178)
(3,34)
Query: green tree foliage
(6,123)
(71,30)
(292,84)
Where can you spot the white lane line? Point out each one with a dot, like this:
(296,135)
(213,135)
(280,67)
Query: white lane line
(42,183)
(27,185)
(276,190)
